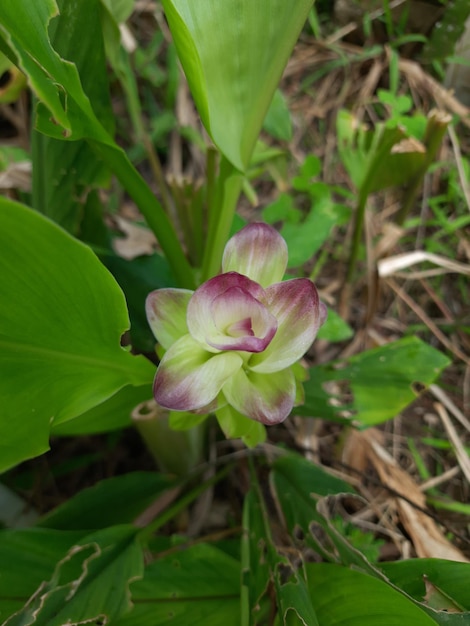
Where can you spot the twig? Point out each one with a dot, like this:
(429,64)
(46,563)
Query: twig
(442,478)
(458,162)
(444,399)
(460,453)
(428,321)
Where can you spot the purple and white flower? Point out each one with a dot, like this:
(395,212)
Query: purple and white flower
(235,339)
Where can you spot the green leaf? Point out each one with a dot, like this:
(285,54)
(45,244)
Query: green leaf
(89,584)
(449,576)
(373,386)
(27,558)
(298,486)
(60,331)
(256,572)
(344,596)
(65,110)
(278,122)
(282,209)
(262,563)
(304,239)
(112,414)
(379,158)
(119,9)
(198,586)
(53,79)
(116,500)
(233,54)
(335,328)
(64,172)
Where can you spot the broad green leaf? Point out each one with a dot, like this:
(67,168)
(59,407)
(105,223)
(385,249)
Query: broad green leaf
(65,111)
(199,586)
(112,414)
(60,330)
(117,500)
(64,172)
(27,558)
(373,386)
(233,54)
(449,576)
(89,584)
(344,596)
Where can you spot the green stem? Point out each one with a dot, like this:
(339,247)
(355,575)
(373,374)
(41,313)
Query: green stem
(357,236)
(175,451)
(436,128)
(151,209)
(382,144)
(226,196)
(181,504)
(128,80)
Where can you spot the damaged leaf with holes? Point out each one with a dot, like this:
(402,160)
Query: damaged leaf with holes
(373,386)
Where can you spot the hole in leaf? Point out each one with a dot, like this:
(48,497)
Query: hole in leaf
(340,393)
(285,573)
(418,387)
(298,533)
(5,78)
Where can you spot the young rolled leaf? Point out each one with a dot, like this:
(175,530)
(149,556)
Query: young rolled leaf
(61,321)
(233,54)
(65,111)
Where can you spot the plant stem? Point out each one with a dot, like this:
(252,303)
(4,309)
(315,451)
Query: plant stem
(357,236)
(181,504)
(175,451)
(128,80)
(151,209)
(226,196)
(438,121)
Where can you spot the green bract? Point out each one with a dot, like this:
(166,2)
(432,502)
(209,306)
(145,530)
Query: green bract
(236,339)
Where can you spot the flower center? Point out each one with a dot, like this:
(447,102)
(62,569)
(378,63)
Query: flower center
(241,328)
(242,321)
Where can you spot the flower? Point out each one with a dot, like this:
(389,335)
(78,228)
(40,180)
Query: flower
(235,340)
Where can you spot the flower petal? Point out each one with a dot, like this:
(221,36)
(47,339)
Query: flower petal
(266,398)
(257,251)
(296,307)
(242,321)
(166,314)
(200,319)
(189,378)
